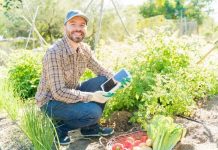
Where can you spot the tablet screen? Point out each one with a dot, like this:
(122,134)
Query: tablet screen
(109,85)
(121,75)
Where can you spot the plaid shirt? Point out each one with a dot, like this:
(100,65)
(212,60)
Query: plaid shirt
(62,68)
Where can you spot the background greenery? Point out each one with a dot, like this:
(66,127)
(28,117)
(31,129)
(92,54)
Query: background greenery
(162,60)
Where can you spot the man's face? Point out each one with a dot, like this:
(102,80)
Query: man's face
(76,29)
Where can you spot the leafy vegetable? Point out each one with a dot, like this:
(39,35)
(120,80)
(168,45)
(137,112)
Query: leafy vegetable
(164,133)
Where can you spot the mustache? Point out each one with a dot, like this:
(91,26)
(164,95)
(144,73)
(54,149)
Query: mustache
(82,33)
(78,31)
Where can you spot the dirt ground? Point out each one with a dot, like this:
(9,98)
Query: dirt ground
(11,137)
(202,131)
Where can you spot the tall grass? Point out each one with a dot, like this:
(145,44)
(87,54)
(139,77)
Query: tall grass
(1,102)
(39,128)
(9,101)
(1,96)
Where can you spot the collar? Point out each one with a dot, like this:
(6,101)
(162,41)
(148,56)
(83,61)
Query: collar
(70,49)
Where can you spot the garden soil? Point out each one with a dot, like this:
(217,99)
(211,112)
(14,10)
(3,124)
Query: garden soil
(202,131)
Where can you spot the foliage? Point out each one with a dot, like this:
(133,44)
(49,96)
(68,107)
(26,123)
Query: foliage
(155,59)
(165,81)
(168,8)
(87,75)
(11,4)
(36,125)
(49,20)
(176,95)
(174,9)
(164,132)
(9,101)
(12,25)
(39,128)
(24,74)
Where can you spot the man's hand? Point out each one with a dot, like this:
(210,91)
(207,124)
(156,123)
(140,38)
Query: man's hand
(99,96)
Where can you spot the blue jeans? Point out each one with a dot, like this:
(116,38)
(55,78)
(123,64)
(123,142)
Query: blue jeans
(76,115)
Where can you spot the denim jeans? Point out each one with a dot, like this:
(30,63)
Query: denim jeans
(76,115)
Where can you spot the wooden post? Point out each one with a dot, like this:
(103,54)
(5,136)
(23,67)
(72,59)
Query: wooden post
(120,18)
(37,32)
(32,28)
(210,51)
(99,25)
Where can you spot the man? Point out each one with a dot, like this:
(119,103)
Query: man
(59,94)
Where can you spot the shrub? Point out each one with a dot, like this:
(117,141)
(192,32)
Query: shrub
(24,74)
(176,94)
(165,81)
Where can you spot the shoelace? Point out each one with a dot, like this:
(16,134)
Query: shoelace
(66,138)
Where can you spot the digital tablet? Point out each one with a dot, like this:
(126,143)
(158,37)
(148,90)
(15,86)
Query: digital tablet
(112,84)
(123,73)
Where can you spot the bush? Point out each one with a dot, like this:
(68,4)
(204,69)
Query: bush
(176,94)
(24,74)
(165,81)
(161,58)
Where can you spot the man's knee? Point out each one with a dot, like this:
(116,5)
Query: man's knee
(101,79)
(95,112)
(87,117)
(98,81)
(93,84)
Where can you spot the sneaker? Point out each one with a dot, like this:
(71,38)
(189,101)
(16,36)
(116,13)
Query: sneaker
(99,131)
(64,140)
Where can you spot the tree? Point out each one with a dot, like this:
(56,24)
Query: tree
(174,9)
(11,4)
(49,20)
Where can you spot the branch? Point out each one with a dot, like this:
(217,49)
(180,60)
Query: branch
(210,51)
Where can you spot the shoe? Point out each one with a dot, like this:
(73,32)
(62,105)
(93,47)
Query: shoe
(99,131)
(64,141)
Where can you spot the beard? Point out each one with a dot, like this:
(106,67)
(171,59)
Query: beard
(76,36)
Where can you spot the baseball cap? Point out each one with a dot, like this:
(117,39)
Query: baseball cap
(74,13)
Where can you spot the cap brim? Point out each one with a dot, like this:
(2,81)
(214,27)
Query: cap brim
(78,15)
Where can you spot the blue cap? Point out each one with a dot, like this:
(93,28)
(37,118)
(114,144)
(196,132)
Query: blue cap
(75,13)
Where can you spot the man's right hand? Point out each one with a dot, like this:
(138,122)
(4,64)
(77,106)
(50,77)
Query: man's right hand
(99,96)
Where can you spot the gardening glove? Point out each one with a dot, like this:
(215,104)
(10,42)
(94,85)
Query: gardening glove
(109,94)
(125,82)
(99,96)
